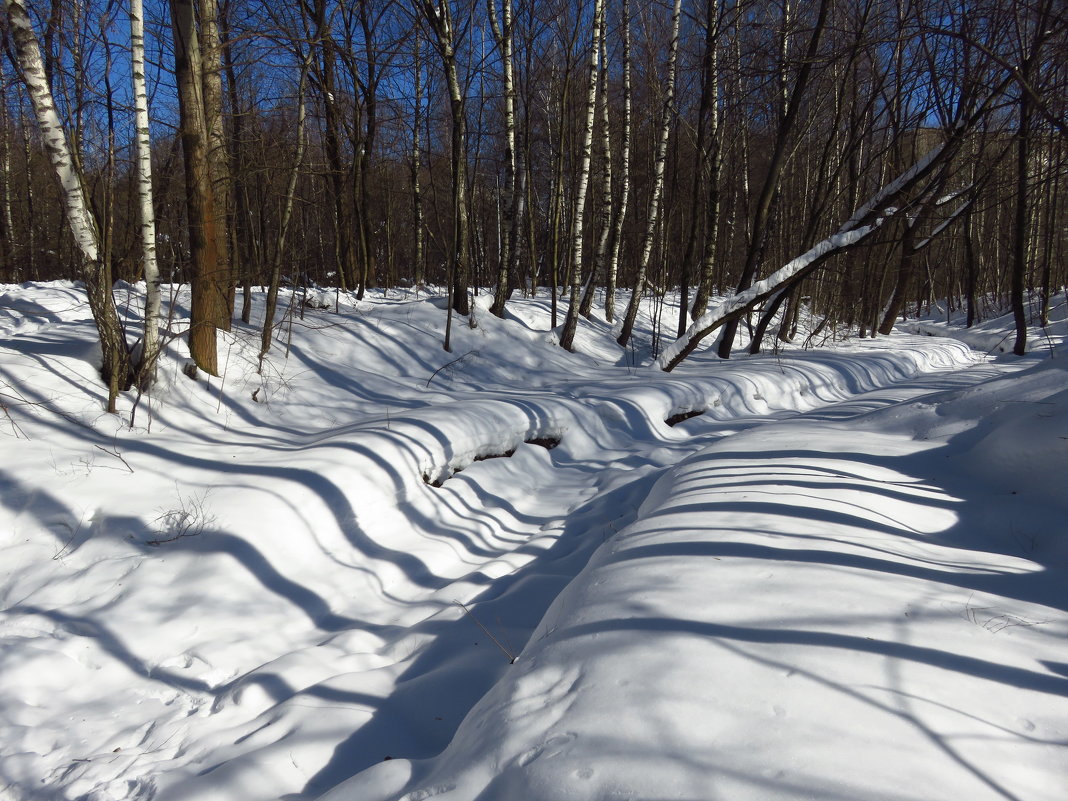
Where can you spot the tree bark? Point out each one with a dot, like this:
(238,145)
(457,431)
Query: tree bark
(271,304)
(567,337)
(763,213)
(419,275)
(624,190)
(1019,235)
(658,185)
(115,366)
(600,255)
(146,369)
(503,34)
(438,14)
(218,155)
(344,246)
(209,280)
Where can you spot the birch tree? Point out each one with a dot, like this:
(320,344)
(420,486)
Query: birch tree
(652,218)
(95,272)
(150,347)
(439,17)
(567,337)
(616,242)
(788,119)
(916,181)
(710,155)
(600,254)
(503,34)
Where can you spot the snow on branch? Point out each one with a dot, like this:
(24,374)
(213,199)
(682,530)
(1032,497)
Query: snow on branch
(867,219)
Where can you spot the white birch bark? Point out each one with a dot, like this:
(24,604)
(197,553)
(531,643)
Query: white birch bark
(605,212)
(81,222)
(567,338)
(417,196)
(114,353)
(503,34)
(150,349)
(6,244)
(658,184)
(865,221)
(624,178)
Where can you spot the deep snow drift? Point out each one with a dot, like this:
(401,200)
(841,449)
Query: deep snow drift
(843,577)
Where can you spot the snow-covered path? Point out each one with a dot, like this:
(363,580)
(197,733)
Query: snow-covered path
(803,610)
(261,597)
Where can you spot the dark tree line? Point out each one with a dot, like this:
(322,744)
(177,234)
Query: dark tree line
(492,145)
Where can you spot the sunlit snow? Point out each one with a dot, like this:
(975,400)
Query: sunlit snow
(378,570)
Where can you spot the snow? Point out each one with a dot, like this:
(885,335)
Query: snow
(383,571)
(995,334)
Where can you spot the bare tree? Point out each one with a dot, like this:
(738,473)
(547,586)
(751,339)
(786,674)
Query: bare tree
(209,277)
(917,180)
(439,17)
(567,337)
(150,345)
(652,218)
(287,214)
(96,273)
(624,179)
(770,189)
(418,225)
(504,35)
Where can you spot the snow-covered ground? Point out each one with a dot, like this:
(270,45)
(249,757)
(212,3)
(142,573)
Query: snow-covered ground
(846,577)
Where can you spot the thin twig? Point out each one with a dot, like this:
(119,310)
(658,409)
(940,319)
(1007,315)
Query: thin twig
(511,656)
(116,454)
(449,364)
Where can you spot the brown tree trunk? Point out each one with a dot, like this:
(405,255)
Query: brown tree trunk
(218,154)
(209,281)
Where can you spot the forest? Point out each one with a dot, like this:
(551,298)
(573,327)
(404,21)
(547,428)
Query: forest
(848,156)
(478,400)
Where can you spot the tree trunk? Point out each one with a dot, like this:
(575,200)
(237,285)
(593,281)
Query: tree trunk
(567,338)
(624,191)
(218,155)
(762,215)
(370,100)
(503,33)
(209,279)
(707,112)
(344,246)
(910,249)
(658,185)
(287,214)
(146,369)
(115,366)
(1019,235)
(9,267)
(438,14)
(419,274)
(240,248)
(605,222)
